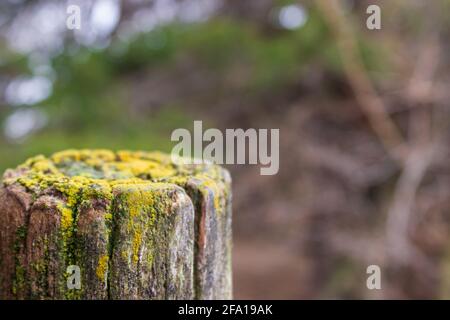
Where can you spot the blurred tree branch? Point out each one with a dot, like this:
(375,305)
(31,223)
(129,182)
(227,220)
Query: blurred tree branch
(370,102)
(414,154)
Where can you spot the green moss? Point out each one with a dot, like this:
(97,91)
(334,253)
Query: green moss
(21,234)
(19,280)
(41,269)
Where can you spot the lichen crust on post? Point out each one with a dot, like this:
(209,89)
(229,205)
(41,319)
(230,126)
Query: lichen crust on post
(136,224)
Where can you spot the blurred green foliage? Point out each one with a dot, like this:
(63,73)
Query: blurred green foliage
(89,108)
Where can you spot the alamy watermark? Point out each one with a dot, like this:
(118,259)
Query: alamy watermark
(236,146)
(373,22)
(73,21)
(73,277)
(373,281)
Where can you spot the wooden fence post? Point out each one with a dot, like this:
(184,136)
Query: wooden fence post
(94,224)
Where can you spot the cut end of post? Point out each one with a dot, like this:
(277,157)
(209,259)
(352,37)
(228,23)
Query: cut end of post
(135,224)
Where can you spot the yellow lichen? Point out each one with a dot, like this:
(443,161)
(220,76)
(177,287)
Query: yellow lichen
(81,175)
(96,172)
(137,200)
(217,192)
(66,218)
(102,267)
(137,242)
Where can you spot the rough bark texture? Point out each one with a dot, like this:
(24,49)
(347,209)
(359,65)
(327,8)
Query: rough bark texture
(13,224)
(152,246)
(213,239)
(137,225)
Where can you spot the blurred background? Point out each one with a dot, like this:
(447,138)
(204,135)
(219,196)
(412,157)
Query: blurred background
(364,119)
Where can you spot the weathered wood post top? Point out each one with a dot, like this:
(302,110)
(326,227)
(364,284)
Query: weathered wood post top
(97,224)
